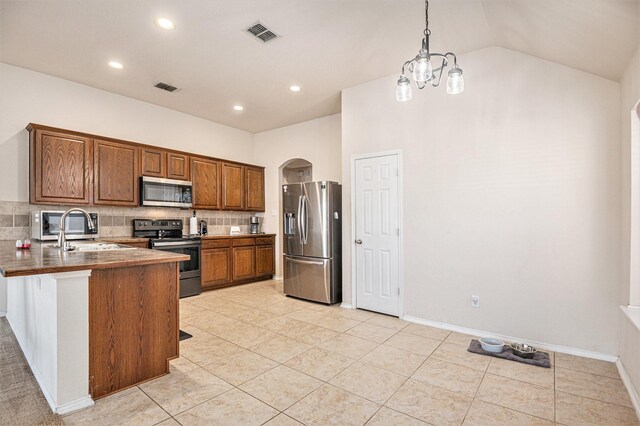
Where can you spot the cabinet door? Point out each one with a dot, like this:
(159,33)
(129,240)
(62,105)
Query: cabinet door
(204,178)
(254,189)
(216,266)
(177,166)
(232,186)
(60,168)
(115,173)
(153,162)
(265,261)
(244,263)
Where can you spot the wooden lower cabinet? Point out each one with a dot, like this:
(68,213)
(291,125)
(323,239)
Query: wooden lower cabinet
(216,267)
(265,260)
(236,260)
(244,263)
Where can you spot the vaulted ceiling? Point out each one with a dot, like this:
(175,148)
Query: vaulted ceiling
(325,46)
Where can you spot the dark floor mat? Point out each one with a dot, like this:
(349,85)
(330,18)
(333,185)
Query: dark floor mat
(540,359)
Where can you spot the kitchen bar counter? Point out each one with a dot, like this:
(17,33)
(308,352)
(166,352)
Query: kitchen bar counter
(43,259)
(91,323)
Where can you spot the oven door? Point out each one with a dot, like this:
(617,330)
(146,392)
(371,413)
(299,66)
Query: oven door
(190,276)
(188,268)
(165,192)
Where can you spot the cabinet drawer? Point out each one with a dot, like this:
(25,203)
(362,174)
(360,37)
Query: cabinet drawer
(239,242)
(218,243)
(263,241)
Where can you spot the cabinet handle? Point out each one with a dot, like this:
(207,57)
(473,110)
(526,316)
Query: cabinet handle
(358,241)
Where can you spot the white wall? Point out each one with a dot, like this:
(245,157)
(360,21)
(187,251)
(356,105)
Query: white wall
(317,141)
(28,96)
(511,191)
(630,331)
(630,95)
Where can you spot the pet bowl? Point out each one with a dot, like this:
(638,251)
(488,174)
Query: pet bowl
(492,345)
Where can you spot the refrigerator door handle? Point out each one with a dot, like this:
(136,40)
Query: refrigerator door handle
(304,261)
(305,207)
(300,230)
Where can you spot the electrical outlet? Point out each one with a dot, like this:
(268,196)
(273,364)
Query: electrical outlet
(475,301)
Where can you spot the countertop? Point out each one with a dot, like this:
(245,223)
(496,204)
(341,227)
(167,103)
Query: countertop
(216,236)
(43,259)
(125,240)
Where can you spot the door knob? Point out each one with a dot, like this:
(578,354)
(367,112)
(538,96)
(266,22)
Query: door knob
(358,241)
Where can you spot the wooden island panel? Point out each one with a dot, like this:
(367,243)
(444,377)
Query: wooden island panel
(133,325)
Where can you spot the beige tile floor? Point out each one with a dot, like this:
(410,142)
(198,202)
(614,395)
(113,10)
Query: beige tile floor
(257,357)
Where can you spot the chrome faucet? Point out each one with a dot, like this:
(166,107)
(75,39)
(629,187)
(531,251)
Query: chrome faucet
(62,238)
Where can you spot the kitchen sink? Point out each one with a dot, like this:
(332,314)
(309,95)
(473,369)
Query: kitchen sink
(97,246)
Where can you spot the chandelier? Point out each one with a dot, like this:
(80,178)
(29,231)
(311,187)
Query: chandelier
(424,73)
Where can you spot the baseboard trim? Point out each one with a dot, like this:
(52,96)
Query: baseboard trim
(633,393)
(78,404)
(541,345)
(346,305)
(3,314)
(66,408)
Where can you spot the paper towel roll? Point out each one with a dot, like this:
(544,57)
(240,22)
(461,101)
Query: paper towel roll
(193,225)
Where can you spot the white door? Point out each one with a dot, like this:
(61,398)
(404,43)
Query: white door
(377,234)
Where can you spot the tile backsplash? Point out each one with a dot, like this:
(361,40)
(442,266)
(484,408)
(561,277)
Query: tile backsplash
(15,219)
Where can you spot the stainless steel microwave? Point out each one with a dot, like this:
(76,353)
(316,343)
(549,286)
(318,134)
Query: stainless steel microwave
(45,226)
(158,192)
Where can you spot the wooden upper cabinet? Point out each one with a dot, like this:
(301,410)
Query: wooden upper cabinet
(60,167)
(254,189)
(177,166)
(115,173)
(232,186)
(74,168)
(204,178)
(153,162)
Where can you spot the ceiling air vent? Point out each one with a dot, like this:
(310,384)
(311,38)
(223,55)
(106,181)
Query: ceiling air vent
(261,32)
(167,87)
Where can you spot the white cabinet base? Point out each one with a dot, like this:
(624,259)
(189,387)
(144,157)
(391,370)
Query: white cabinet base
(49,315)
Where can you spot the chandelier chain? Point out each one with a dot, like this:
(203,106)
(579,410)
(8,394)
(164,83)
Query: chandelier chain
(426,17)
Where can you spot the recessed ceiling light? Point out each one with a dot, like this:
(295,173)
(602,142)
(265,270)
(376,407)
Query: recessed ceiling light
(165,24)
(116,65)
(238,107)
(294,88)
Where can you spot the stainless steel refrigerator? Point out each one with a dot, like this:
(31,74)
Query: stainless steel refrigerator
(312,241)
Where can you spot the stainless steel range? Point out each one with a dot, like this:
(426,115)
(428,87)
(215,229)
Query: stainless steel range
(166,234)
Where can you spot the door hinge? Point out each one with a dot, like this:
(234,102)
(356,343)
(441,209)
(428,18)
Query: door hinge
(397,172)
(398,232)
(398,291)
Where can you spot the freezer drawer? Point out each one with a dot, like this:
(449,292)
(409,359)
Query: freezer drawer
(314,279)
